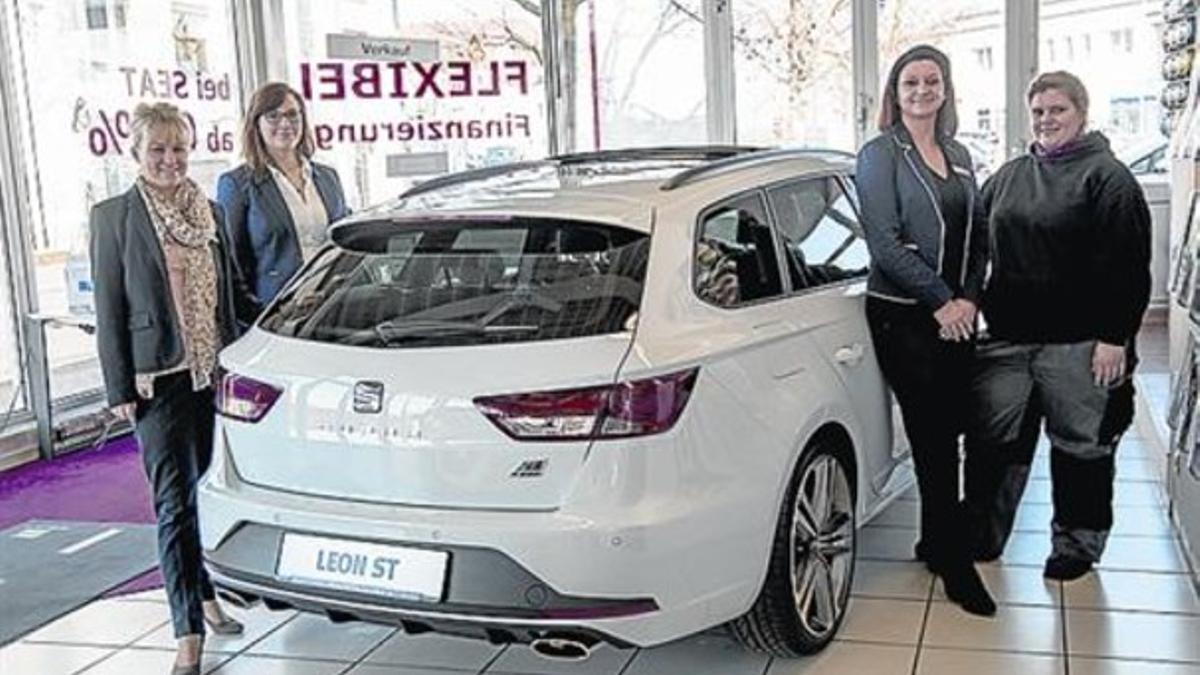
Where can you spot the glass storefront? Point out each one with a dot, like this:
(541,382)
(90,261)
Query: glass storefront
(402,91)
(80,68)
(794,73)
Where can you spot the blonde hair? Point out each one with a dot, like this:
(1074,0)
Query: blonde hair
(267,98)
(150,116)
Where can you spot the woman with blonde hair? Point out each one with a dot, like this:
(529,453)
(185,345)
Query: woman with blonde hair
(167,298)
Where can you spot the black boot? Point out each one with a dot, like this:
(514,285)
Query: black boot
(965,588)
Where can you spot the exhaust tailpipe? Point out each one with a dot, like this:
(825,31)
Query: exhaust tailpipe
(563,646)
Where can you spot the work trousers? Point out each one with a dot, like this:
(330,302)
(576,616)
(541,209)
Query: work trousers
(1016,388)
(175,432)
(929,377)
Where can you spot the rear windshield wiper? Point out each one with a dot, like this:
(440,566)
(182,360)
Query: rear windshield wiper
(391,332)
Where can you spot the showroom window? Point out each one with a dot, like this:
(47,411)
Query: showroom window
(962,29)
(1123,82)
(793,65)
(401,91)
(736,261)
(79,69)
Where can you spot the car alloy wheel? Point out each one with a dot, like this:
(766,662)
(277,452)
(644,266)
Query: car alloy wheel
(803,599)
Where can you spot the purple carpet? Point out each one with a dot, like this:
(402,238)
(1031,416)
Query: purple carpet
(105,485)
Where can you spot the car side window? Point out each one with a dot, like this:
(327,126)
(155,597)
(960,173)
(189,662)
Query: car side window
(736,260)
(822,239)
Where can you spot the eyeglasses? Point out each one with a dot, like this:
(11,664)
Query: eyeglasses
(276,117)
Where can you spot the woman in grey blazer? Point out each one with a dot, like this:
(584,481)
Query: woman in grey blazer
(927,236)
(279,203)
(167,298)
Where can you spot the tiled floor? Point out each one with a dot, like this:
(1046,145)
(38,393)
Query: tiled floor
(1137,615)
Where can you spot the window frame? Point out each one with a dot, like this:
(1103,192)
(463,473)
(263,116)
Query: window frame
(842,180)
(760,194)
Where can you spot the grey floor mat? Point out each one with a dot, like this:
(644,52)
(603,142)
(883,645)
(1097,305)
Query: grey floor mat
(49,568)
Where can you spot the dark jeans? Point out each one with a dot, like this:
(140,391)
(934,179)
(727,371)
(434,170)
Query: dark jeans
(929,377)
(1018,387)
(175,432)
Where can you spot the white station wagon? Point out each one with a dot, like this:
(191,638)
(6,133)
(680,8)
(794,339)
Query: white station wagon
(619,396)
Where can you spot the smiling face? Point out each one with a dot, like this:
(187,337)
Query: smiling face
(282,128)
(1055,119)
(163,157)
(920,90)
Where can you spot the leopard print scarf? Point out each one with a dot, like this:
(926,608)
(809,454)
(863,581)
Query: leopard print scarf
(185,221)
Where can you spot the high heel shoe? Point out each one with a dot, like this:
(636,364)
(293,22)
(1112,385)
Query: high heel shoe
(965,588)
(226,626)
(193,669)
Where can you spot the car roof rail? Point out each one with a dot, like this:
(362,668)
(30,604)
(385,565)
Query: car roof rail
(658,153)
(748,160)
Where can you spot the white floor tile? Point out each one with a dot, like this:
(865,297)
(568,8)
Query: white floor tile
(1015,586)
(1137,591)
(1038,491)
(258,622)
(1138,494)
(314,637)
(48,659)
(1170,637)
(1013,629)
(150,595)
(605,659)
(258,665)
(957,662)
(709,653)
(439,651)
(890,621)
(366,669)
(1087,666)
(886,543)
(148,662)
(843,658)
(1146,554)
(891,579)
(1142,471)
(105,622)
(1026,548)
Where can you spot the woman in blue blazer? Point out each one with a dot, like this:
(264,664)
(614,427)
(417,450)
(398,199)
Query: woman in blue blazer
(278,204)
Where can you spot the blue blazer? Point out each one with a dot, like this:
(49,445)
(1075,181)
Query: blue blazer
(260,227)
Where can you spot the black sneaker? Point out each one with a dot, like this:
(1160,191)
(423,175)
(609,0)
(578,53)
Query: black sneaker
(965,587)
(1066,568)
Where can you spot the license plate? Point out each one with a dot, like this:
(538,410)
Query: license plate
(410,573)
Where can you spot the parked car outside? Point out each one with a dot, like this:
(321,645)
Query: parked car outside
(621,396)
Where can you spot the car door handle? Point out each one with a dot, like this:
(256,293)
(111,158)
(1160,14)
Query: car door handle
(850,355)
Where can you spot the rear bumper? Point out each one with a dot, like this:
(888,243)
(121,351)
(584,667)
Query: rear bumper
(629,577)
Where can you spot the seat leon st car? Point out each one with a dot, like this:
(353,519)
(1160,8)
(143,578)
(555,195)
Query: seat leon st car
(619,396)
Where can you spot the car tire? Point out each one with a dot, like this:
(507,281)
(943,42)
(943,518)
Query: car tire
(803,600)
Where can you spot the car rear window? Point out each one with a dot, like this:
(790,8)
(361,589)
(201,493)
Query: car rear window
(455,282)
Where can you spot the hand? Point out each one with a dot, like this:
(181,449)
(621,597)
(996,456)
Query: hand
(123,411)
(1108,364)
(956,319)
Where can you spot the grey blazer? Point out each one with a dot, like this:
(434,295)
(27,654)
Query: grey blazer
(137,330)
(903,221)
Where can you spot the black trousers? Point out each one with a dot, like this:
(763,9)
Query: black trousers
(175,432)
(930,378)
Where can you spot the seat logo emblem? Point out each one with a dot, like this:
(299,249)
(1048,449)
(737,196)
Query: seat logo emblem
(368,397)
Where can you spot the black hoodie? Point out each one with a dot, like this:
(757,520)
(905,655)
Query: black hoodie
(1070,247)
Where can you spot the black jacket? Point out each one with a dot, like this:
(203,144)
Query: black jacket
(1070,249)
(904,226)
(136,327)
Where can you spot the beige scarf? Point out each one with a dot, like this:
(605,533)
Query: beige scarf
(185,222)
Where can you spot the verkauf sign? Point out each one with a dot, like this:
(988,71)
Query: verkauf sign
(363,48)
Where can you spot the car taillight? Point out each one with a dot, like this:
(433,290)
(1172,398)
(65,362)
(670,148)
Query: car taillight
(244,398)
(622,410)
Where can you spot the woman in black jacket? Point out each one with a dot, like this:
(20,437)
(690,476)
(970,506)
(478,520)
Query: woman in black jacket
(922,221)
(166,300)
(1070,279)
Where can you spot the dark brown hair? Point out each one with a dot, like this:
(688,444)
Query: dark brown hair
(1068,84)
(889,109)
(267,98)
